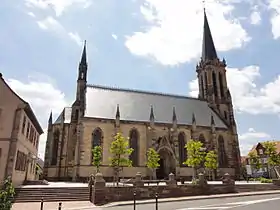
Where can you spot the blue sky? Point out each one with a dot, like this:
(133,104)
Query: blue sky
(143,44)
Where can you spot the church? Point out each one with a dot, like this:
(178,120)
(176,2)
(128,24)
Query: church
(164,122)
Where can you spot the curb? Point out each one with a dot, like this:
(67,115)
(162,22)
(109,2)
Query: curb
(191,198)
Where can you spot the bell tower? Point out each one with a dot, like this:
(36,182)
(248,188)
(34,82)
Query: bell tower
(211,73)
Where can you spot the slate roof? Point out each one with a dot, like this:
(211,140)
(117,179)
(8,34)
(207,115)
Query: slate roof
(64,115)
(101,102)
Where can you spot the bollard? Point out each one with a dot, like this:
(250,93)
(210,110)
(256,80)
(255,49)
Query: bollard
(42,204)
(59,206)
(156,201)
(134,200)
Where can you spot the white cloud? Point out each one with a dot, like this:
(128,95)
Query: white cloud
(51,24)
(247,96)
(31,14)
(59,6)
(250,138)
(255,18)
(115,36)
(175,31)
(274,5)
(76,37)
(43,96)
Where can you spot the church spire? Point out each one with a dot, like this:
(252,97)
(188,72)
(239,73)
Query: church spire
(208,47)
(84,54)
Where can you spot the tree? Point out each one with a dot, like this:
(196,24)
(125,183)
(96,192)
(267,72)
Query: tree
(97,157)
(153,158)
(195,155)
(254,160)
(211,163)
(6,195)
(273,157)
(120,154)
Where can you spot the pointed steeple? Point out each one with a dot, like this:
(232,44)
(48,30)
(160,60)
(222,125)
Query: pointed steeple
(174,117)
(84,54)
(152,116)
(212,120)
(118,112)
(208,47)
(193,119)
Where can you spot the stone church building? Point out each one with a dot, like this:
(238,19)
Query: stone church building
(163,121)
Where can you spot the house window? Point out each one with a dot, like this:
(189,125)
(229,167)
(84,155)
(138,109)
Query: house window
(23,125)
(28,129)
(21,161)
(260,151)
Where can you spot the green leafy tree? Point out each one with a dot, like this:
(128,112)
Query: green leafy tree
(6,195)
(254,160)
(211,163)
(120,155)
(195,155)
(273,156)
(153,158)
(97,157)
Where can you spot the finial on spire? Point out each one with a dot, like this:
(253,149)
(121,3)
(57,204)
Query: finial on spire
(174,117)
(203,3)
(118,112)
(152,117)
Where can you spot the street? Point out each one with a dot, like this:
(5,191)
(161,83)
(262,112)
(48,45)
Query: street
(259,202)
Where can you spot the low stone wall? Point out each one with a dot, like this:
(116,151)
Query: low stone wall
(102,194)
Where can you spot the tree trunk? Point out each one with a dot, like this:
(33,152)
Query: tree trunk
(213,175)
(194,174)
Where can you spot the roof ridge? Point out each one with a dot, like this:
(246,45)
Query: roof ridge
(141,91)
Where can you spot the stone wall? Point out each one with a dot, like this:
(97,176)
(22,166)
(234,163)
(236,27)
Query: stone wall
(102,194)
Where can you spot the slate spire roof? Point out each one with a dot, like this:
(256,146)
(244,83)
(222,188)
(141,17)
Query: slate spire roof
(208,47)
(84,54)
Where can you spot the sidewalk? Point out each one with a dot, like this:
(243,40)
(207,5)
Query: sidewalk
(190,198)
(71,205)
(85,205)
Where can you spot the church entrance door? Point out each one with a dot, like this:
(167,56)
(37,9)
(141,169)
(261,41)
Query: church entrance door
(167,164)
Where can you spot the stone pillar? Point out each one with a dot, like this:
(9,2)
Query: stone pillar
(201,179)
(171,181)
(90,184)
(227,180)
(99,190)
(138,180)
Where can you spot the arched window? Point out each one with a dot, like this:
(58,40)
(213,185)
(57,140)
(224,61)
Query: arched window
(182,149)
(221,85)
(202,140)
(214,83)
(133,143)
(206,84)
(96,139)
(222,157)
(202,86)
(55,147)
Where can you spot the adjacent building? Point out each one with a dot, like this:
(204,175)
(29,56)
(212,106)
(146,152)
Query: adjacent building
(19,136)
(265,170)
(161,121)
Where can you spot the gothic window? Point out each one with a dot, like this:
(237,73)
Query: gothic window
(222,157)
(76,114)
(214,83)
(225,113)
(182,149)
(133,143)
(202,139)
(202,87)
(221,85)
(55,147)
(96,138)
